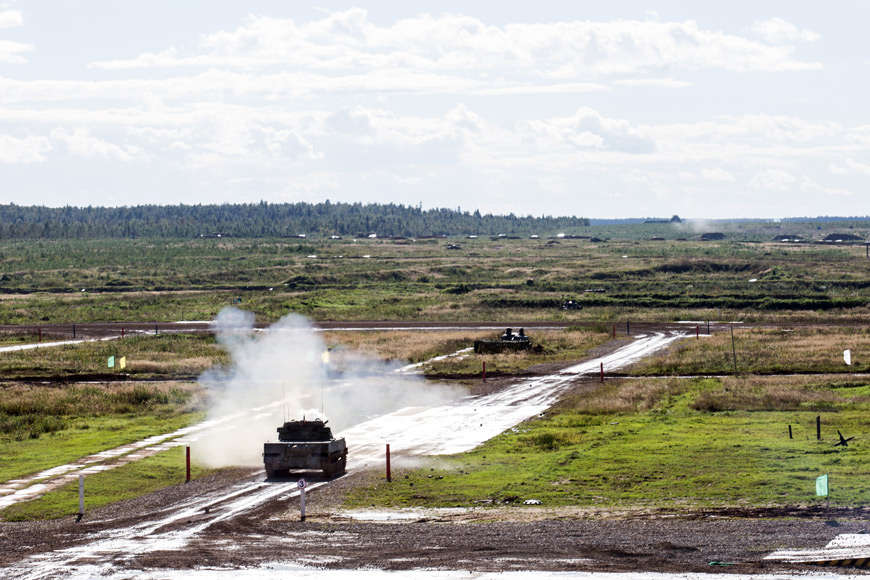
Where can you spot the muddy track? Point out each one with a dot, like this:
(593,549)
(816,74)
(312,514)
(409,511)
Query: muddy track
(104,329)
(171,530)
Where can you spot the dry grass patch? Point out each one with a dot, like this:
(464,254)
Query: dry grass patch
(412,346)
(766,351)
(628,396)
(825,393)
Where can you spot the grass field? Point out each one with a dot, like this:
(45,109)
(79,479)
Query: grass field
(655,443)
(556,346)
(125,482)
(766,351)
(503,279)
(644,441)
(165,355)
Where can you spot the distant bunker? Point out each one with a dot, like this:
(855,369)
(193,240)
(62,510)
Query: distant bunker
(507,342)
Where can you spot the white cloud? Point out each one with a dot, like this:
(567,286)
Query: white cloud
(653,82)
(348,41)
(717,174)
(850,166)
(779,31)
(12,52)
(23,150)
(773,180)
(10,18)
(81,143)
(588,129)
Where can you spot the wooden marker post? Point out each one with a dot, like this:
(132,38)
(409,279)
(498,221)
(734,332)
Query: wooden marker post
(301,485)
(74,330)
(789,432)
(818,427)
(602,372)
(187,460)
(389,475)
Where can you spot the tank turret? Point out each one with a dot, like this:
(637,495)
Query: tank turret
(303,430)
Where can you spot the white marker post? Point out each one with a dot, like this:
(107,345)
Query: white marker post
(301,485)
(81,496)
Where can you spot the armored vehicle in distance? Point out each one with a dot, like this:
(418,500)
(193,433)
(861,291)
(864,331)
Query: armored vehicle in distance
(305,445)
(505,343)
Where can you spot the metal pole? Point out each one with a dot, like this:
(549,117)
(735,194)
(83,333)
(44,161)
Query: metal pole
(389,475)
(81,496)
(187,458)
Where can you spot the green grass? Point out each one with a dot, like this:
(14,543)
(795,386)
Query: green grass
(164,355)
(166,280)
(766,351)
(125,482)
(83,436)
(665,454)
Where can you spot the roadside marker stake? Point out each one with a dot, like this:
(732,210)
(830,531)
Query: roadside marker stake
(301,484)
(187,454)
(389,475)
(818,427)
(40,334)
(602,372)
(789,432)
(484,373)
(697,331)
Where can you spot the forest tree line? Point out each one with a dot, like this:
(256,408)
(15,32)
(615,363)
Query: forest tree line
(266,220)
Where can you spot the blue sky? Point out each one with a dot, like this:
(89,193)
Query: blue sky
(740,109)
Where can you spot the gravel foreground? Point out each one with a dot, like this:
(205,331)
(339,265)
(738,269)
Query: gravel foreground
(479,539)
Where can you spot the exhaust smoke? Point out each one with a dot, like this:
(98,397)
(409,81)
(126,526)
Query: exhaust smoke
(280,373)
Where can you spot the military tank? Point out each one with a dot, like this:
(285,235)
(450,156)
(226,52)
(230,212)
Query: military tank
(305,445)
(506,342)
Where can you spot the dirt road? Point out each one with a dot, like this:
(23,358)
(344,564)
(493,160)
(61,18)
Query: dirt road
(418,431)
(238,520)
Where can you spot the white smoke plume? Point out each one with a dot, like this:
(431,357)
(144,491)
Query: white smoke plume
(281,373)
